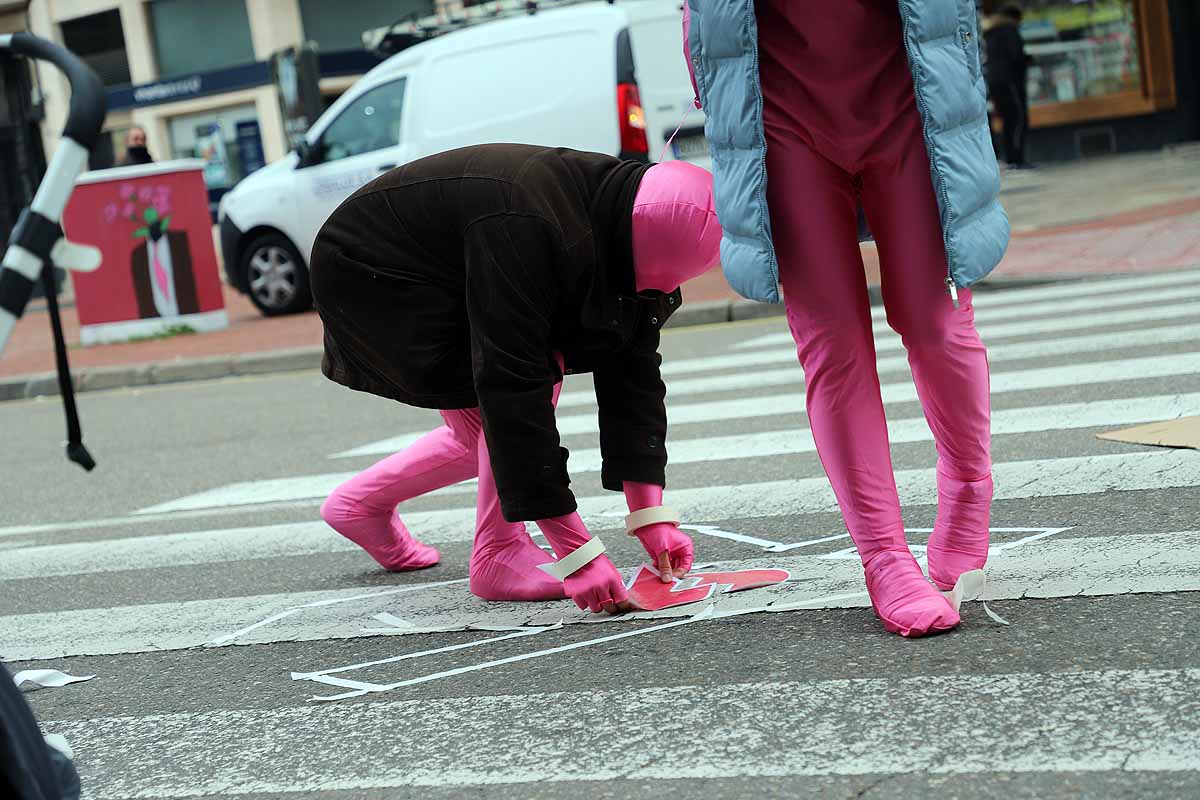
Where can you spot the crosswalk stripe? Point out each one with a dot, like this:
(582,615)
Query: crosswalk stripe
(751,379)
(1020,311)
(757,406)
(276,490)
(888,343)
(1072,289)
(1032,419)
(905,391)
(1116,721)
(1053,567)
(1078,475)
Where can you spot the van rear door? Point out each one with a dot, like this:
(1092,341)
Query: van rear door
(656,34)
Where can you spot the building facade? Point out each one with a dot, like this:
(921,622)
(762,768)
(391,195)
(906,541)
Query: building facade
(195,74)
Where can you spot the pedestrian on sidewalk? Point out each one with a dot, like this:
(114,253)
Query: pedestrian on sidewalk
(1007,66)
(136,152)
(811,113)
(469,282)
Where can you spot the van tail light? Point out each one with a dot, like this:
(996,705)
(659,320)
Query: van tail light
(632,118)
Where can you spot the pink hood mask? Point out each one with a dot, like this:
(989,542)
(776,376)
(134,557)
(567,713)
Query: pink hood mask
(676,235)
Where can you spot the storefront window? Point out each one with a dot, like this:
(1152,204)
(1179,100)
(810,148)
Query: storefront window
(227,140)
(99,40)
(200,35)
(1080,49)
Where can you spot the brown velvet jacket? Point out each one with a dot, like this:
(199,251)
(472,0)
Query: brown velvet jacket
(452,281)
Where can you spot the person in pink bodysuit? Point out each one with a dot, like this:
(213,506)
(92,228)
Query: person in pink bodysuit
(842,128)
(670,234)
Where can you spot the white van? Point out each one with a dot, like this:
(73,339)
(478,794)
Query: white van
(604,77)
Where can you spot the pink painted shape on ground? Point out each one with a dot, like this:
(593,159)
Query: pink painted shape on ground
(649,593)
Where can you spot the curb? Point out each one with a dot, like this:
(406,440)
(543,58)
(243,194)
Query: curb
(91,379)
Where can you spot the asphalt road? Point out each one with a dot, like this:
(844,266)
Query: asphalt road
(1090,691)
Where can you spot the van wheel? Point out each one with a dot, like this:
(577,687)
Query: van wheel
(276,276)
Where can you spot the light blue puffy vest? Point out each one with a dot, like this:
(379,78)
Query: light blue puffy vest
(942,41)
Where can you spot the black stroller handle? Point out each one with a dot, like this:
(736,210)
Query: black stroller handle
(37,238)
(89,103)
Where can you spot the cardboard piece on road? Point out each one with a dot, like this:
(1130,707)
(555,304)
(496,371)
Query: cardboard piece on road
(1181,432)
(649,593)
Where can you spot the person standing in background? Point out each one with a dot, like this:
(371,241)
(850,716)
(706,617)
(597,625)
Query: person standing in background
(1007,65)
(135,148)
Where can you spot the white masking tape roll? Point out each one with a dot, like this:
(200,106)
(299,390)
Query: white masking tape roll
(637,520)
(575,560)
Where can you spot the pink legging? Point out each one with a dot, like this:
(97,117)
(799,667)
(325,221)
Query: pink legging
(813,205)
(453,453)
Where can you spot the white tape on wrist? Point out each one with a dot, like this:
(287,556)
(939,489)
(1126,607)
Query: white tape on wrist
(637,520)
(575,560)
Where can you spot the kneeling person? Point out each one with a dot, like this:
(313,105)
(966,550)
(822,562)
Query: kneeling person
(469,282)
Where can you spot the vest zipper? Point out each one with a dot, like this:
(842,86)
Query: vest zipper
(953,290)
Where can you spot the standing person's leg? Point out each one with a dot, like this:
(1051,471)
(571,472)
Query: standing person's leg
(814,228)
(363,509)
(1010,118)
(948,360)
(504,560)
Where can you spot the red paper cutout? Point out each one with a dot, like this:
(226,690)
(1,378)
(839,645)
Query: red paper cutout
(649,593)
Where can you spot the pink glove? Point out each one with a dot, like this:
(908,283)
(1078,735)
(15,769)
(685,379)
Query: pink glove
(597,585)
(670,549)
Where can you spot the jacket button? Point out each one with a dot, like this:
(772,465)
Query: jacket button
(654,320)
(670,301)
(652,442)
(568,371)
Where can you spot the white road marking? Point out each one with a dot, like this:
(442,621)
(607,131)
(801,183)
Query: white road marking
(1080,475)
(714,531)
(361,689)
(1032,419)
(275,490)
(1056,567)
(1069,290)
(756,405)
(1059,308)
(1000,353)
(1117,721)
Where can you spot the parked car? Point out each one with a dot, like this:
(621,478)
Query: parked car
(604,77)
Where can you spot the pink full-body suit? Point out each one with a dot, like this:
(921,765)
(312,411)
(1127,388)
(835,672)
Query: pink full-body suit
(842,125)
(676,236)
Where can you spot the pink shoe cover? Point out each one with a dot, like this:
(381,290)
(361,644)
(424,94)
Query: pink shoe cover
(508,570)
(959,542)
(386,540)
(903,599)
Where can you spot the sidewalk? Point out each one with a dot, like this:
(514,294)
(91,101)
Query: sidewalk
(1123,214)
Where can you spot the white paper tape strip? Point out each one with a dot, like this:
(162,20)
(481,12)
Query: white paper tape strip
(47,678)
(639,519)
(971,586)
(574,561)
